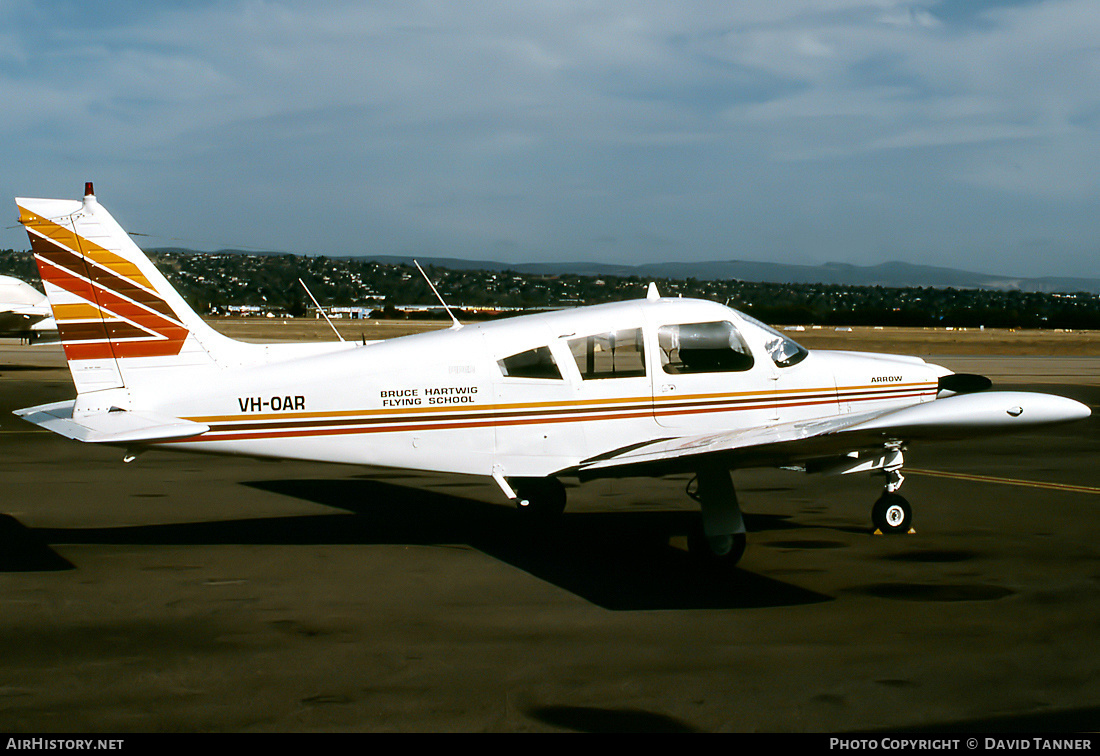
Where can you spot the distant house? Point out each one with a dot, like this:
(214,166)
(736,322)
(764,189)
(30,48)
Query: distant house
(344,313)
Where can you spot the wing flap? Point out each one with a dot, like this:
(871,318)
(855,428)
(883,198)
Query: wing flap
(116,427)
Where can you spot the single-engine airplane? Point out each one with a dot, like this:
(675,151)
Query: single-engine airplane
(648,387)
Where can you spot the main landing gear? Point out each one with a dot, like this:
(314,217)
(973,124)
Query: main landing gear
(720,539)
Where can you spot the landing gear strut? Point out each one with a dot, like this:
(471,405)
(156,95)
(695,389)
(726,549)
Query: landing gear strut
(720,541)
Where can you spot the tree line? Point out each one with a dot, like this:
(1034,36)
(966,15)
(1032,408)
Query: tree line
(214,282)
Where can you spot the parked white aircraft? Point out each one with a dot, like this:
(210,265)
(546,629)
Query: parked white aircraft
(646,387)
(24,311)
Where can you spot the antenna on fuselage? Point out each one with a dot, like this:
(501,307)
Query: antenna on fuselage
(454,320)
(320,309)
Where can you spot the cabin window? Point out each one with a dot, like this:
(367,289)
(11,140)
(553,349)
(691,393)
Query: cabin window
(534,363)
(616,354)
(703,348)
(784,351)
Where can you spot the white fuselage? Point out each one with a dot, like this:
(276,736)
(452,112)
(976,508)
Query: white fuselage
(486,399)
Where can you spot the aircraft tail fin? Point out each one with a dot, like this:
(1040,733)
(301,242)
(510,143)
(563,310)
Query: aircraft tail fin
(118,318)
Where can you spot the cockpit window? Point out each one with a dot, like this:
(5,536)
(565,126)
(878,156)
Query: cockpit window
(534,363)
(616,354)
(703,348)
(783,351)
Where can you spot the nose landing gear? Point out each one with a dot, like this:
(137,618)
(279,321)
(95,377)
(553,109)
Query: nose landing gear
(892,514)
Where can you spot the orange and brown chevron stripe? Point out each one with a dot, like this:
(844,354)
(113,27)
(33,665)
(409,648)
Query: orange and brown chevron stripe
(112,310)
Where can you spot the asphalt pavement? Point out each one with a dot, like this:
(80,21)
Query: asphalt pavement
(183,593)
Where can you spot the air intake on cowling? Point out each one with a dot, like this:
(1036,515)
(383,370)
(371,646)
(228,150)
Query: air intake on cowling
(964,383)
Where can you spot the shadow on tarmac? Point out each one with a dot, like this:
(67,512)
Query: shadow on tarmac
(593,719)
(23,549)
(620,561)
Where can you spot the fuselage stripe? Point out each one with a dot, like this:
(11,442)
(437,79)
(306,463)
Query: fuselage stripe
(316,424)
(641,402)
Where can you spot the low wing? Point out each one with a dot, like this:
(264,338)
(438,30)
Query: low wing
(21,321)
(116,427)
(797,443)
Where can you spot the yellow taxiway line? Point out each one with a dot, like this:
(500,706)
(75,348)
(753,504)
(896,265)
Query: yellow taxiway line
(1006,481)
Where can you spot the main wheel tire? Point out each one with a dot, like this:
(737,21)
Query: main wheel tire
(541,498)
(892,514)
(717,551)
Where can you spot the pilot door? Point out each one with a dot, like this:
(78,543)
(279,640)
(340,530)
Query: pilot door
(705,377)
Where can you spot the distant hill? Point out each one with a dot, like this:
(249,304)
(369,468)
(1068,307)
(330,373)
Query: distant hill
(891,274)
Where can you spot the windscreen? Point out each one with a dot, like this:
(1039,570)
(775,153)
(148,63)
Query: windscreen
(784,351)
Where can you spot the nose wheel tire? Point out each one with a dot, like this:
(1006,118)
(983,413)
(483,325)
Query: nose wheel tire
(892,514)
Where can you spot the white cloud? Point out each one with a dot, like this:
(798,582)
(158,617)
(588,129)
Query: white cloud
(453,128)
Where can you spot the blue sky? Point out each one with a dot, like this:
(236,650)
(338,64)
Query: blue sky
(963,134)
